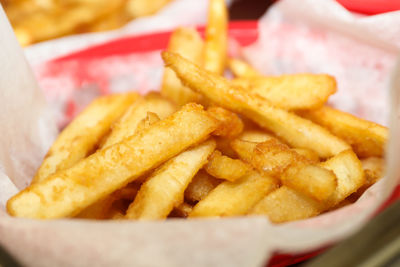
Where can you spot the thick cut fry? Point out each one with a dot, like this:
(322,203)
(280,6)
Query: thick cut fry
(308,154)
(235,198)
(200,186)
(295,171)
(133,117)
(68,192)
(224,145)
(181,211)
(166,186)
(81,136)
(311,180)
(242,69)
(139,8)
(286,204)
(350,175)
(292,91)
(373,170)
(103,209)
(230,123)
(291,128)
(216,37)
(244,149)
(368,139)
(188,43)
(226,168)
(255,136)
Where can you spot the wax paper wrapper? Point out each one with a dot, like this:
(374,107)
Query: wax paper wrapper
(316,36)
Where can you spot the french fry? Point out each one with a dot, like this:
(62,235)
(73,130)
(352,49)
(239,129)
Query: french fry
(165,188)
(81,136)
(216,37)
(244,149)
(181,211)
(373,170)
(295,171)
(367,139)
(286,204)
(139,8)
(68,192)
(226,168)
(134,115)
(235,198)
(256,136)
(308,154)
(230,123)
(350,175)
(224,145)
(294,130)
(102,209)
(242,69)
(292,91)
(188,43)
(201,185)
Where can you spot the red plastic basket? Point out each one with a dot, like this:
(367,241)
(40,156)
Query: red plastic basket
(244,32)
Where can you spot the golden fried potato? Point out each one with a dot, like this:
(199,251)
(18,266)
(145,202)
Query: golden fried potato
(368,139)
(224,145)
(216,37)
(294,130)
(242,69)
(61,20)
(286,204)
(165,188)
(140,8)
(349,172)
(200,186)
(308,154)
(134,115)
(226,168)
(81,136)
(278,160)
(235,198)
(256,136)
(68,192)
(373,170)
(291,91)
(104,208)
(244,149)
(230,123)
(188,43)
(181,211)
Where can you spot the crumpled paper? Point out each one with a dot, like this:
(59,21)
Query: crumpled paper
(316,36)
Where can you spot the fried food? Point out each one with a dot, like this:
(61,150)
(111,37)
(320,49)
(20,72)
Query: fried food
(291,91)
(188,43)
(235,198)
(294,130)
(165,188)
(226,168)
(201,185)
(230,123)
(242,69)
(134,115)
(81,136)
(216,37)
(68,192)
(367,139)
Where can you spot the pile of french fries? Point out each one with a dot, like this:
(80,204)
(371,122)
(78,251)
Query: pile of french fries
(38,20)
(208,146)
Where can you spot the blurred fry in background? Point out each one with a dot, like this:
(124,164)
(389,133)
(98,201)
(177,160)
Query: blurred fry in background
(39,20)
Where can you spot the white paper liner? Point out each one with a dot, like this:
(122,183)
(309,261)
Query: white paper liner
(27,132)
